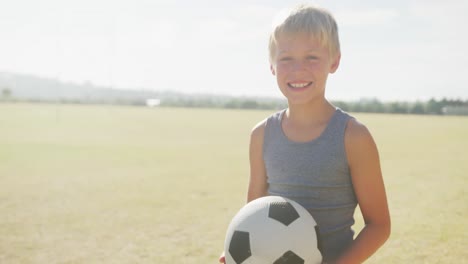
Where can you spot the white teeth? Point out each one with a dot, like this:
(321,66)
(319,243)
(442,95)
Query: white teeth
(299,85)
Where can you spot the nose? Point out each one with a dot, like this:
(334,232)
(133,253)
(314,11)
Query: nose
(299,65)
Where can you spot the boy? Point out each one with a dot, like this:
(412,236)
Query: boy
(314,153)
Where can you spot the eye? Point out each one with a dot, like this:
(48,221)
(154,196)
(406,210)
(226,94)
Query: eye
(311,57)
(285,59)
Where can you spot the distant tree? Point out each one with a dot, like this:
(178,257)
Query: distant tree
(417,108)
(6,93)
(345,106)
(355,107)
(375,106)
(434,107)
(398,108)
(232,104)
(249,104)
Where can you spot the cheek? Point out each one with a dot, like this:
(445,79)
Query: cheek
(313,67)
(283,68)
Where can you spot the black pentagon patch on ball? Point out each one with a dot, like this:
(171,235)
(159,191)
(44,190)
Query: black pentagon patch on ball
(283,212)
(289,258)
(239,248)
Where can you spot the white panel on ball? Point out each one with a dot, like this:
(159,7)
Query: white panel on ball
(272,230)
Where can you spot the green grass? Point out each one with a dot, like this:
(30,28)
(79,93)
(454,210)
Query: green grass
(107,184)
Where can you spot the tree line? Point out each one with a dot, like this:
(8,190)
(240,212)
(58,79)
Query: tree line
(29,88)
(431,107)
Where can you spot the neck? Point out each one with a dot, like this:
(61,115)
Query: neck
(310,113)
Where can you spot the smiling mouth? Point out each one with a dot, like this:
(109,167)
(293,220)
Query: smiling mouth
(299,85)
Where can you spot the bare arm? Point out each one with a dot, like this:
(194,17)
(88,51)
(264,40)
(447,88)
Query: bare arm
(363,159)
(258,181)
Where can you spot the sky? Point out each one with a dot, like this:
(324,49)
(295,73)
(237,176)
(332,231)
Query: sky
(391,50)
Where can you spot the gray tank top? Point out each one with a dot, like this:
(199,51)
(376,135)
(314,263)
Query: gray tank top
(316,175)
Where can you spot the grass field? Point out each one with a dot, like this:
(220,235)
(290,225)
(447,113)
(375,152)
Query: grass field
(107,184)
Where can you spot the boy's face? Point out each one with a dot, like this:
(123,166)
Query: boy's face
(301,66)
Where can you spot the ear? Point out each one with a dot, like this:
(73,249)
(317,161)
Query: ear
(272,69)
(335,63)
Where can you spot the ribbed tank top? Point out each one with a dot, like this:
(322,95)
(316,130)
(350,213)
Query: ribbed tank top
(316,175)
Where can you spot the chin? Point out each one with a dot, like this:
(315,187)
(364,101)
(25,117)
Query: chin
(303,99)
(299,101)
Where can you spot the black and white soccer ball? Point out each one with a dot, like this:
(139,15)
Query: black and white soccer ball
(272,230)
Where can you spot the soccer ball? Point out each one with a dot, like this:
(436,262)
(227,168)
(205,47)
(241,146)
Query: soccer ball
(272,230)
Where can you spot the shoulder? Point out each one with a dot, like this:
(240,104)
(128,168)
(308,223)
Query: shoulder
(258,131)
(359,142)
(356,130)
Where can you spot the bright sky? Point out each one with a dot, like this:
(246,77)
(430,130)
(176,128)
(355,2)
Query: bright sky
(391,50)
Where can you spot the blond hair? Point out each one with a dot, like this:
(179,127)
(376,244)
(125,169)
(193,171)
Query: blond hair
(317,22)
